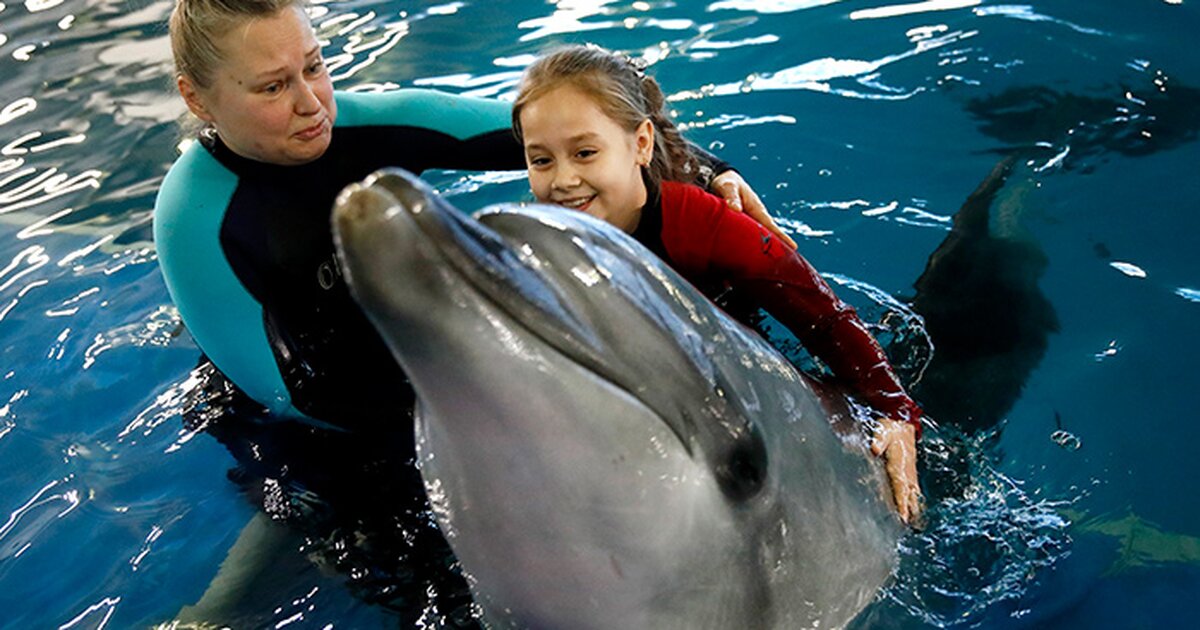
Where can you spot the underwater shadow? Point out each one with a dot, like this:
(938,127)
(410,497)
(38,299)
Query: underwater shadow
(351,504)
(1139,122)
(983,309)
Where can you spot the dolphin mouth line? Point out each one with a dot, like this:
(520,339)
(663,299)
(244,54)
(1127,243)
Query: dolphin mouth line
(490,288)
(739,471)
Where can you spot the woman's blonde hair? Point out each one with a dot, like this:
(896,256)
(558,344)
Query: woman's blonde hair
(196,24)
(623,92)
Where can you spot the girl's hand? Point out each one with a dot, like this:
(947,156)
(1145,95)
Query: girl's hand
(742,198)
(896,441)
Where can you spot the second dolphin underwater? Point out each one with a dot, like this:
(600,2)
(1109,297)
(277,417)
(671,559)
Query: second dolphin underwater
(601,445)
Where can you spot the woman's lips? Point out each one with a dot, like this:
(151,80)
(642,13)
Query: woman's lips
(312,132)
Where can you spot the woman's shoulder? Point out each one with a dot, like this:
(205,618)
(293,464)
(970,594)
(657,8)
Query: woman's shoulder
(196,179)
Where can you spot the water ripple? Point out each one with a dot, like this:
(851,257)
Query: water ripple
(569,17)
(769,6)
(1026,12)
(986,542)
(353,42)
(26,262)
(1129,269)
(364,41)
(29,186)
(730,121)
(170,405)
(7,421)
(910,9)
(492,85)
(105,608)
(817,75)
(49,504)
(159,328)
(1191,295)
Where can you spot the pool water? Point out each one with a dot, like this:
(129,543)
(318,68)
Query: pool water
(864,126)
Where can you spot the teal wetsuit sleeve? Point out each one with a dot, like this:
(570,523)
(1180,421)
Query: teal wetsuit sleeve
(481,128)
(223,318)
(453,114)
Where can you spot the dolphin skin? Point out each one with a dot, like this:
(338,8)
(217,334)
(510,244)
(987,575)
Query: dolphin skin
(601,446)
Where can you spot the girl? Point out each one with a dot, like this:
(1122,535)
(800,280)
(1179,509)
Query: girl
(597,139)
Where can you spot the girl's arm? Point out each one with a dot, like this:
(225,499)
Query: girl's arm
(757,265)
(719,178)
(731,247)
(788,288)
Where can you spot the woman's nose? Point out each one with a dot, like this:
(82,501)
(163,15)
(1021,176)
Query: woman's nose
(307,102)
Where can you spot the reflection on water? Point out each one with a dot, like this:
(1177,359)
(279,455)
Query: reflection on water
(820,75)
(22,184)
(115,512)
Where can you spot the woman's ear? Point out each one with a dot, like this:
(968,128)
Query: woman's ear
(644,137)
(191,96)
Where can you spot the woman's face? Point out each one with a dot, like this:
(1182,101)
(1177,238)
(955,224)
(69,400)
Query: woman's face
(580,158)
(271,98)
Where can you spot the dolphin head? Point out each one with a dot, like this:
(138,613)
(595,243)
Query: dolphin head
(601,446)
(546,271)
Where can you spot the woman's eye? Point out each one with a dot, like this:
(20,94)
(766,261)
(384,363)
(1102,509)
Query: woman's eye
(585,153)
(317,67)
(272,88)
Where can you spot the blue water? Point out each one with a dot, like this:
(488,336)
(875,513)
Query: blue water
(863,126)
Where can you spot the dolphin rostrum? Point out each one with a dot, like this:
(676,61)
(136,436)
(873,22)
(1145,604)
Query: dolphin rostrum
(601,446)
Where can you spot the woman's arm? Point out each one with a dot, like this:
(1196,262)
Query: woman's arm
(421,129)
(222,317)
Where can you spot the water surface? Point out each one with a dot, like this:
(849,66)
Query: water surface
(863,125)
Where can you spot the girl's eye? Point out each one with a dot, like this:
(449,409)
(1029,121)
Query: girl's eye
(585,153)
(272,88)
(539,161)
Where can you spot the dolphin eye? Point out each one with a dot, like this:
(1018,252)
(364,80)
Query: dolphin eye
(744,470)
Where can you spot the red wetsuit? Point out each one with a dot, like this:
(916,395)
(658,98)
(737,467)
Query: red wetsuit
(709,244)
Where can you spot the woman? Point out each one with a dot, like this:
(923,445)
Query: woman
(242,218)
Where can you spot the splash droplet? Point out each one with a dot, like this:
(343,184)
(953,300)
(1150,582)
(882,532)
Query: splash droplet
(1066,439)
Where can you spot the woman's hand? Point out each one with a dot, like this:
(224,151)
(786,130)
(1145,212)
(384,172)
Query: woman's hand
(896,441)
(742,198)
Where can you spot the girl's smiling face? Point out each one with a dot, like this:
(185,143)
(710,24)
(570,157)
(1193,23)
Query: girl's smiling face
(271,99)
(580,158)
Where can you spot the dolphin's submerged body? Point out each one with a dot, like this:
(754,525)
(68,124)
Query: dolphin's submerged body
(601,446)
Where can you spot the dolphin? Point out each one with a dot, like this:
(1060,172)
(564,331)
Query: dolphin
(601,446)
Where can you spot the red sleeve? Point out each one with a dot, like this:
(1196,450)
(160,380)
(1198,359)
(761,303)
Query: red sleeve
(703,235)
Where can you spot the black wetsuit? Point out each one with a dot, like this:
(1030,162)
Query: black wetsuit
(247,251)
